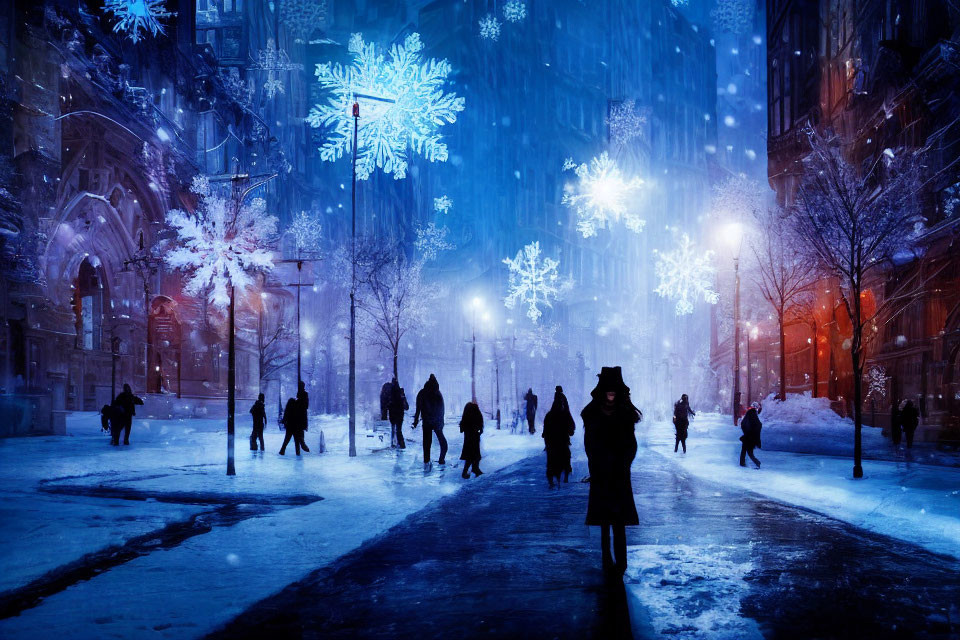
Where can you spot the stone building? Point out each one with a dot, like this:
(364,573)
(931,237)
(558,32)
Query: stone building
(881,75)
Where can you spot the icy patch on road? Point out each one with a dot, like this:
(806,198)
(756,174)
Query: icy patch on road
(692,592)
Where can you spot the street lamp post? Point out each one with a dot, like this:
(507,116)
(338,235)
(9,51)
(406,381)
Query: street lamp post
(734,235)
(114,356)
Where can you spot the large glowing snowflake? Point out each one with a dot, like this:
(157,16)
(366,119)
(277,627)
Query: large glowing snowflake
(625,122)
(220,244)
(603,196)
(490,27)
(539,341)
(273,61)
(533,280)
(877,379)
(442,204)
(406,112)
(735,16)
(514,11)
(686,274)
(136,18)
(432,241)
(307,233)
(303,17)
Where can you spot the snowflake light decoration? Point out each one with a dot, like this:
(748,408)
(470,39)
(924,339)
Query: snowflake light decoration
(514,11)
(220,244)
(533,281)
(432,241)
(307,233)
(679,3)
(625,122)
(568,164)
(274,61)
(603,196)
(442,204)
(539,341)
(136,18)
(490,27)
(735,16)
(877,379)
(303,17)
(686,274)
(410,109)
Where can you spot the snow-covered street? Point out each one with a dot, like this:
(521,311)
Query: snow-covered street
(120,527)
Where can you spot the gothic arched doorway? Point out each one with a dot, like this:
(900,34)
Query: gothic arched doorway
(164,346)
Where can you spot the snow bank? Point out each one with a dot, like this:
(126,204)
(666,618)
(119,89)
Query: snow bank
(804,411)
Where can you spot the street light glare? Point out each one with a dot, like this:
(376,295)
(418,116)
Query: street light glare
(733,232)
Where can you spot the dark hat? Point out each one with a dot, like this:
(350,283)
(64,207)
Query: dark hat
(559,389)
(610,379)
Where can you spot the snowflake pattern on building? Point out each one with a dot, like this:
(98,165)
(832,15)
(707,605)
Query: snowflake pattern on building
(137,18)
(307,233)
(432,241)
(273,61)
(625,123)
(533,281)
(236,88)
(877,379)
(303,17)
(603,196)
(490,27)
(514,11)
(411,120)
(219,245)
(686,274)
(442,204)
(539,341)
(735,16)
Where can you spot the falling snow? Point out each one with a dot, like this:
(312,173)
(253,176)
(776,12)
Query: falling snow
(442,204)
(490,27)
(626,123)
(533,281)
(686,275)
(410,109)
(514,11)
(603,196)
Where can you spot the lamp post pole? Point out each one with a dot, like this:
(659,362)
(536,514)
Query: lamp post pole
(736,339)
(114,355)
(749,377)
(352,385)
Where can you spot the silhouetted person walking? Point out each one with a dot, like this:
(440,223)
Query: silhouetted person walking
(910,419)
(681,421)
(531,404)
(112,417)
(129,403)
(259,413)
(558,426)
(430,407)
(750,425)
(471,426)
(608,438)
(293,423)
(303,403)
(395,408)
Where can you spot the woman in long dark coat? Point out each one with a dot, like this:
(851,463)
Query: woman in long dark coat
(471,426)
(558,426)
(610,444)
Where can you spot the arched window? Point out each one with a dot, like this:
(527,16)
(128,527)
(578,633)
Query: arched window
(88,301)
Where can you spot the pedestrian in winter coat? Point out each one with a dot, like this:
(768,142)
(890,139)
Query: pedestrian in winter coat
(384,400)
(303,404)
(531,401)
(293,424)
(112,419)
(430,407)
(681,421)
(395,408)
(910,419)
(558,426)
(471,426)
(608,438)
(895,424)
(129,403)
(259,413)
(750,425)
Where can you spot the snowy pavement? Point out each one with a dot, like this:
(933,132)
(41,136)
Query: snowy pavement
(511,558)
(71,501)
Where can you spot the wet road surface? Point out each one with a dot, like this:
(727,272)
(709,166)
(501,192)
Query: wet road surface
(506,557)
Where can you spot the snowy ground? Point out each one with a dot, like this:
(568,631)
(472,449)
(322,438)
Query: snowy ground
(61,503)
(810,464)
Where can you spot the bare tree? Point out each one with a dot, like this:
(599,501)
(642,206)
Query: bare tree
(273,342)
(855,220)
(783,273)
(391,294)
